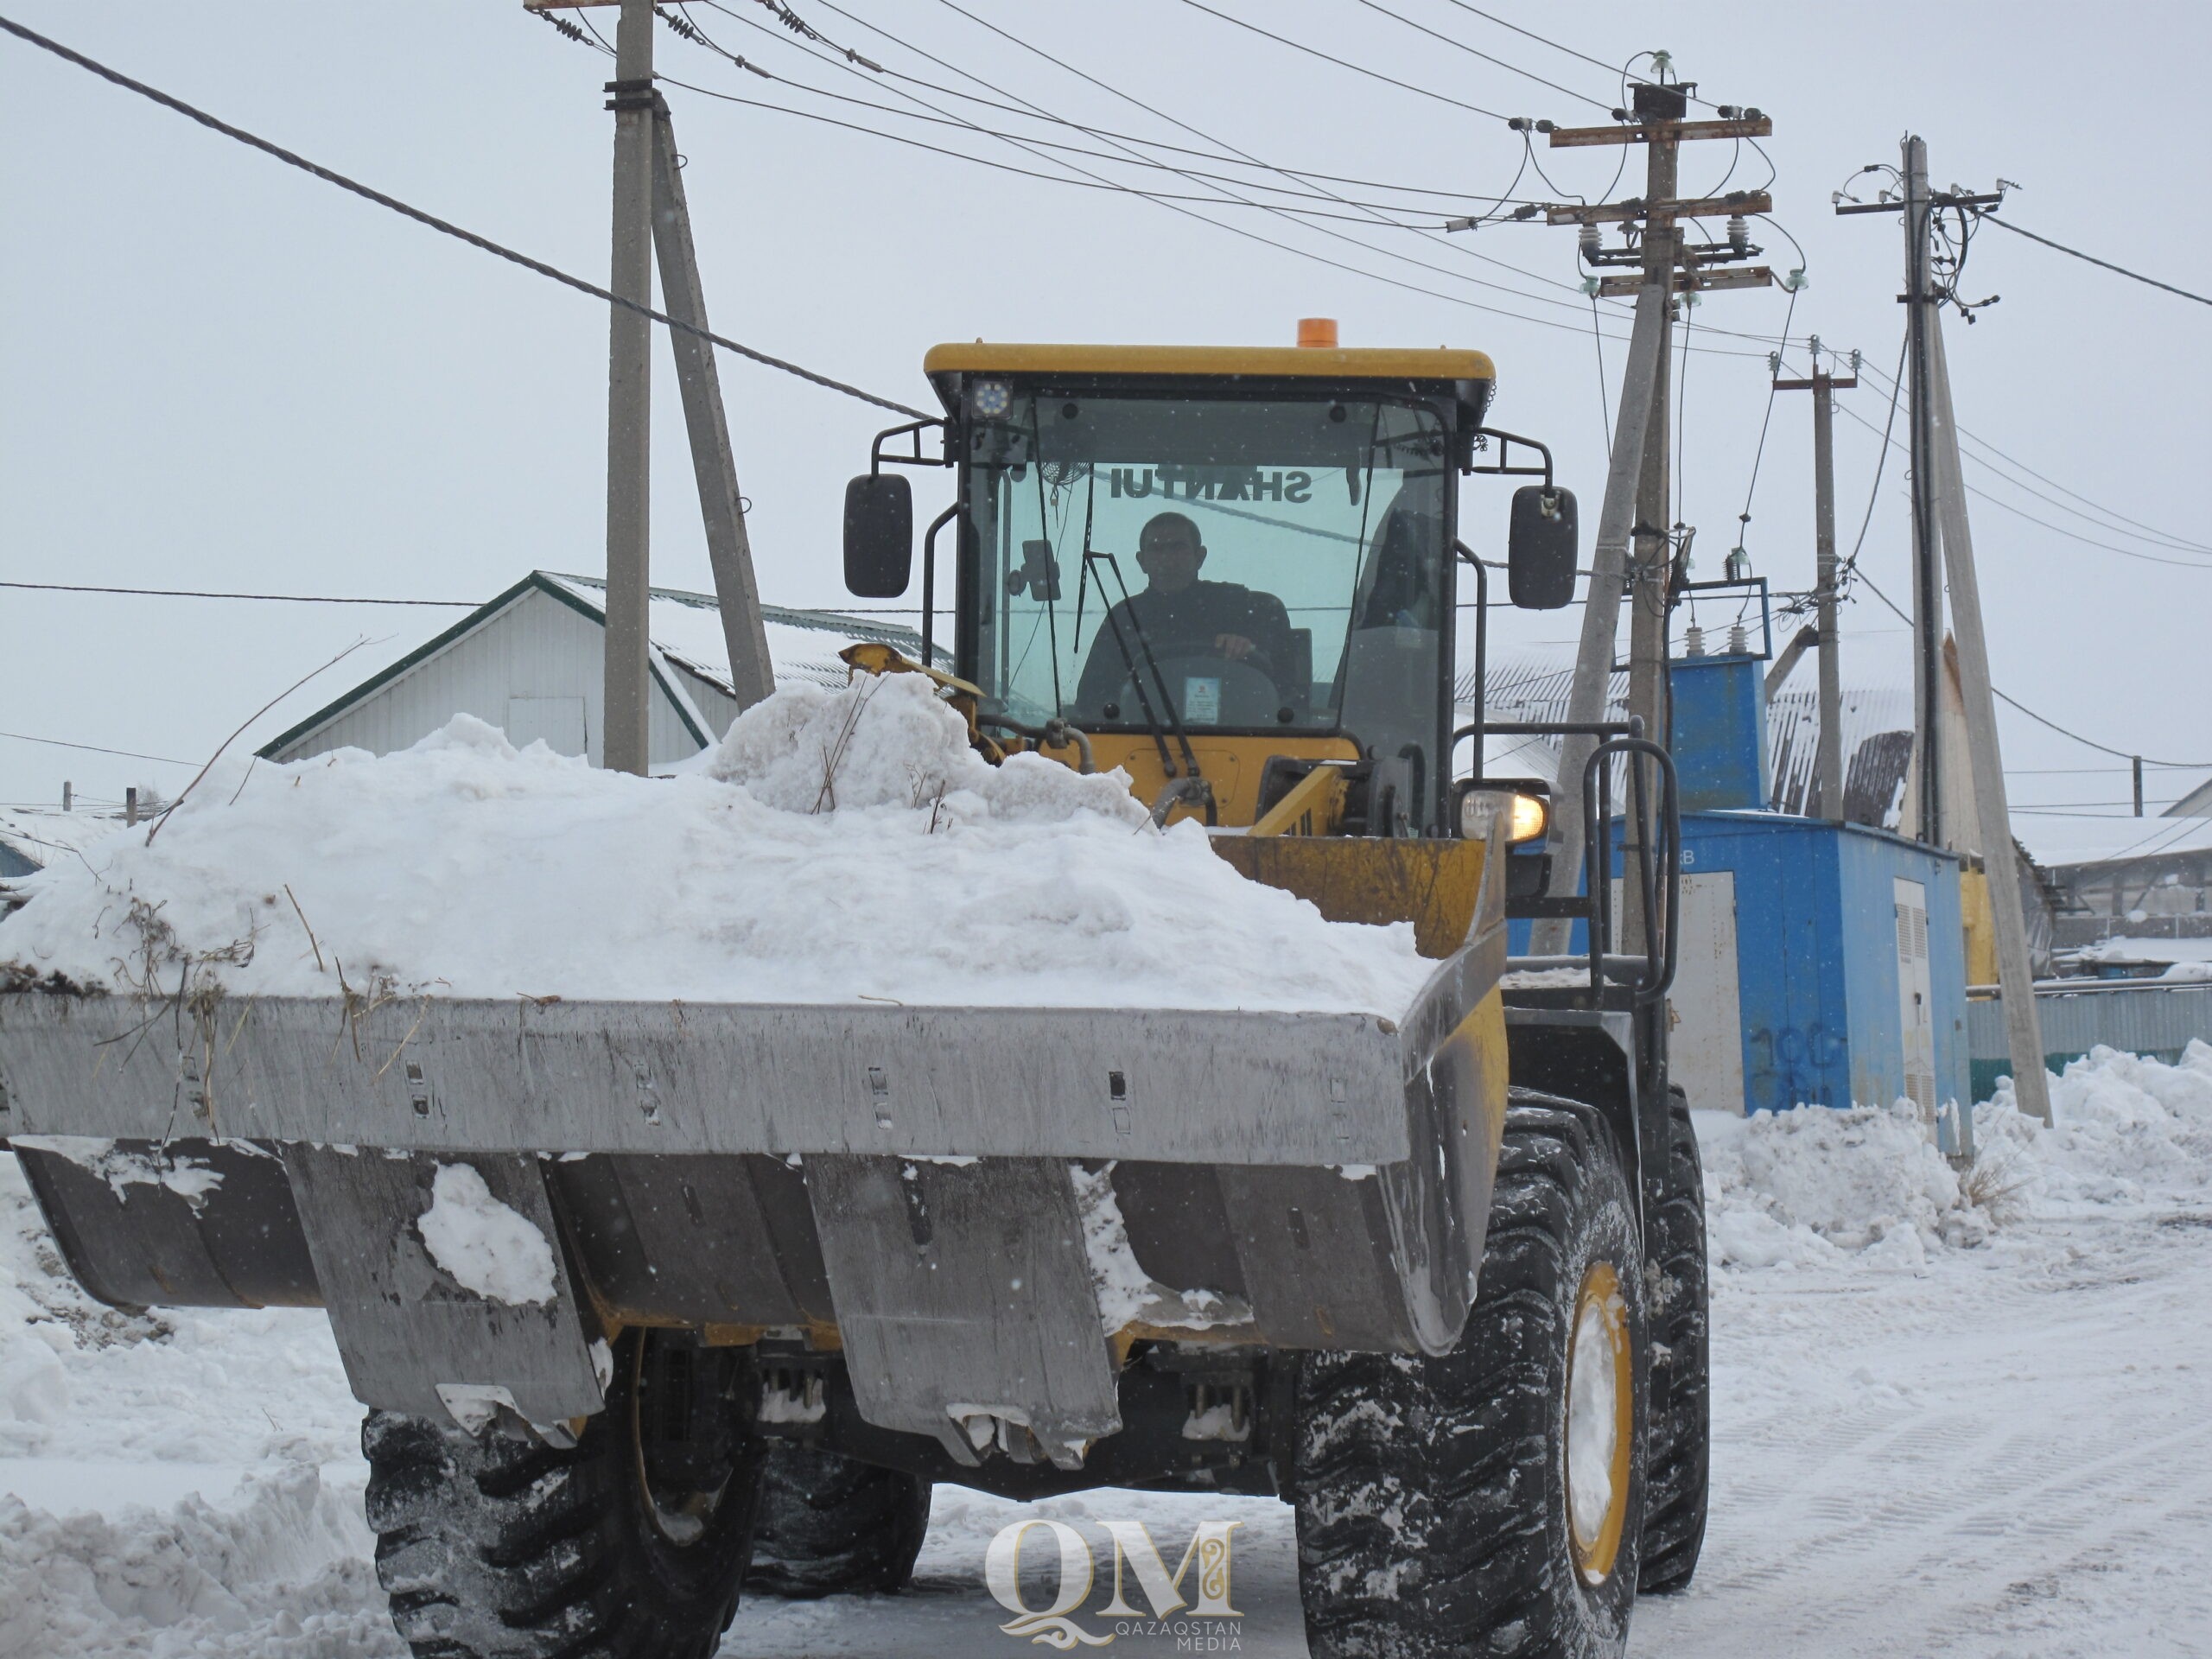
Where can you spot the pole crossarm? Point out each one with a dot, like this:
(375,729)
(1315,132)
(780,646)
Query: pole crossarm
(1615,212)
(1690,282)
(1665,132)
(1830,382)
(1934,199)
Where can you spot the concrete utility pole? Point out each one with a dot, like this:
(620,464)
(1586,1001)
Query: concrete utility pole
(1636,510)
(626,706)
(651,215)
(2015,973)
(1601,609)
(729,550)
(1939,505)
(1928,758)
(1828,760)
(1651,572)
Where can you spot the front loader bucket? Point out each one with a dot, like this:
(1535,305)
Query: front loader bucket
(974,1202)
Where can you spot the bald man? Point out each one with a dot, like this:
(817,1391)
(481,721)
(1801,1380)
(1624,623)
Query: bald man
(1178,614)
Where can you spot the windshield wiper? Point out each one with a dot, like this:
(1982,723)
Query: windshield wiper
(1136,674)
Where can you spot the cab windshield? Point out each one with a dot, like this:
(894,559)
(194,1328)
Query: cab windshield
(1246,565)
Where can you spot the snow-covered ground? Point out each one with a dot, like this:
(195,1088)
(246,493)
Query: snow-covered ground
(1943,1427)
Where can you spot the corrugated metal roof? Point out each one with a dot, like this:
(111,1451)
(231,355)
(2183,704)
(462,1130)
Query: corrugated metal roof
(2066,841)
(688,629)
(1877,736)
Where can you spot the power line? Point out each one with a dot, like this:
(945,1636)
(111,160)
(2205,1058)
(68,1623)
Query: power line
(1346,63)
(845,58)
(1896,388)
(1111,186)
(1305,253)
(1196,132)
(1186,126)
(1219,155)
(2057,529)
(2152,533)
(94,748)
(197,593)
(1774,381)
(1435,34)
(2105,748)
(444,227)
(2041,720)
(2103,264)
(1545,40)
(1026,141)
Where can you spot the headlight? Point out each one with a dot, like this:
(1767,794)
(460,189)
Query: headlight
(1524,814)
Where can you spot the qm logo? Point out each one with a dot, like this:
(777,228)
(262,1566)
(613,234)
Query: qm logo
(1197,1589)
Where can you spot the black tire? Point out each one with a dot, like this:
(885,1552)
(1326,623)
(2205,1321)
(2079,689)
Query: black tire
(1433,1494)
(497,1545)
(829,1526)
(1677,1483)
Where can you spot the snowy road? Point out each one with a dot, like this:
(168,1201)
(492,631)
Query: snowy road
(2012,1456)
(1997,1446)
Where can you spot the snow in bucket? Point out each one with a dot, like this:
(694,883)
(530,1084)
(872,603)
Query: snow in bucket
(840,844)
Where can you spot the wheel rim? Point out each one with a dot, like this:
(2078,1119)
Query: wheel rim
(1600,1422)
(680,1513)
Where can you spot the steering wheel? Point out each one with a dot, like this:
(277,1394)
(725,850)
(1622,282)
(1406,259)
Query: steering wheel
(1249,694)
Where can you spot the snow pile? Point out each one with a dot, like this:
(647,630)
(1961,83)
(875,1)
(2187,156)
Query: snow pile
(1807,1187)
(1800,1187)
(841,843)
(33,1387)
(173,1485)
(2126,1131)
(284,1571)
(489,1246)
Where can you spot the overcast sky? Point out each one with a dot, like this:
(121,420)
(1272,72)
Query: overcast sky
(221,373)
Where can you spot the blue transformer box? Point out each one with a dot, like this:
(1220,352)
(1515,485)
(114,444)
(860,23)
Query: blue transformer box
(1820,964)
(1719,739)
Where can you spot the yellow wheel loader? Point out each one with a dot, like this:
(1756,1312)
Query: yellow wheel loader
(1433,1275)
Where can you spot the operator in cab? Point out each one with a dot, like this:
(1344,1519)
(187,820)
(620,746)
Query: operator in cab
(1177,614)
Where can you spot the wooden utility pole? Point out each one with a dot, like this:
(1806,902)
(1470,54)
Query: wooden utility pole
(626,706)
(1940,527)
(1635,547)
(1828,761)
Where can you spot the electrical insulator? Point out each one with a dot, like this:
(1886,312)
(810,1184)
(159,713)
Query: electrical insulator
(1739,234)
(1738,642)
(1589,240)
(1693,641)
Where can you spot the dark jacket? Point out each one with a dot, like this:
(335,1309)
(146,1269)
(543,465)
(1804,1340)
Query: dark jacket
(1179,624)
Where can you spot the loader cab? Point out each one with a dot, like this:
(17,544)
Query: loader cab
(1218,562)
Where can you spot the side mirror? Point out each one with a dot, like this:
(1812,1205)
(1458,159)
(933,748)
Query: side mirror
(878,536)
(1540,549)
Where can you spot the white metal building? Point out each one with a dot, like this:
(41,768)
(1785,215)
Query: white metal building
(532,662)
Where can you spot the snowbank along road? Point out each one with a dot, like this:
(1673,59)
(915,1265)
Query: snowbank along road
(1943,1427)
